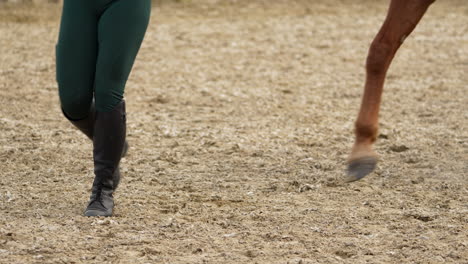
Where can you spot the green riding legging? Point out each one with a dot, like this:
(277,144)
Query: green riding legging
(97,45)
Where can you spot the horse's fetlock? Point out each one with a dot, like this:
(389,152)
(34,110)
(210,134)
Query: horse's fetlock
(366,132)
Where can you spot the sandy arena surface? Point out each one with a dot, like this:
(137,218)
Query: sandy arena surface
(240,119)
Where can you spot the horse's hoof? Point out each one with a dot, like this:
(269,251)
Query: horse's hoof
(360,168)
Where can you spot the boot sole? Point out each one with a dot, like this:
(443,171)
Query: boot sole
(98,213)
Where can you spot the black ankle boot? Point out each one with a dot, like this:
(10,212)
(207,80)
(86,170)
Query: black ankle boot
(86,125)
(108,142)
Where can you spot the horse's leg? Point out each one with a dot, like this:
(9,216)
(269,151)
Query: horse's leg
(402,18)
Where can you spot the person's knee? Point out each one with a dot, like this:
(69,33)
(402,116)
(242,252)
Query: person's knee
(107,99)
(75,105)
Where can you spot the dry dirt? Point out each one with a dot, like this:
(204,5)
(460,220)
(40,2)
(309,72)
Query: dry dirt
(240,119)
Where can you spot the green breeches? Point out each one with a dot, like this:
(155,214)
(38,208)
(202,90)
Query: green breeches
(96,49)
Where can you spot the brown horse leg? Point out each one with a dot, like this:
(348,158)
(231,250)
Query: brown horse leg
(402,18)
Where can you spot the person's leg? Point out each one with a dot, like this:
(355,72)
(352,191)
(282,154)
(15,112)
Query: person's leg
(76,55)
(121,29)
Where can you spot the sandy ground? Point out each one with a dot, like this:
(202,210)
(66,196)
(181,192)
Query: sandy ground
(240,119)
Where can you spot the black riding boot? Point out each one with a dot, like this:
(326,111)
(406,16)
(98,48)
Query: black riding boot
(86,125)
(108,142)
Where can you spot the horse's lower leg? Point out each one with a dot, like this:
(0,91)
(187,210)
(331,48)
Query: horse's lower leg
(402,18)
